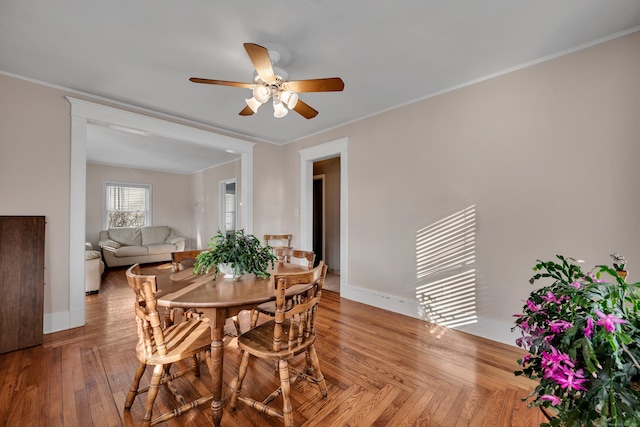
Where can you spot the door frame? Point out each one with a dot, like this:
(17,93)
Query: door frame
(336,148)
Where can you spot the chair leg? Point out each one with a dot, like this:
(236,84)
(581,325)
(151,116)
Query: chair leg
(195,362)
(167,380)
(285,386)
(166,370)
(236,384)
(322,384)
(236,323)
(158,370)
(133,390)
(307,358)
(254,318)
(169,317)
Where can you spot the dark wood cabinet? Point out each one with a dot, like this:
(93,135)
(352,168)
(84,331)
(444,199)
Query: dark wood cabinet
(21,281)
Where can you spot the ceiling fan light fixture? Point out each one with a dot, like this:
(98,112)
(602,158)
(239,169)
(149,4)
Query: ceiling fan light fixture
(270,81)
(289,98)
(261,93)
(253,103)
(279,110)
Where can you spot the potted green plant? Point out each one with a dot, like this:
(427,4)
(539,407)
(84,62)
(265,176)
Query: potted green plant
(236,254)
(582,337)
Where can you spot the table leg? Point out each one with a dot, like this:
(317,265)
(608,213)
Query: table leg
(215,364)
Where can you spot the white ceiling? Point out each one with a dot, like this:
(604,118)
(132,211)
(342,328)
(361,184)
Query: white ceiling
(389,53)
(118,147)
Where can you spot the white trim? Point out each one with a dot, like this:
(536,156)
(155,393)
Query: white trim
(84,113)
(77,230)
(336,148)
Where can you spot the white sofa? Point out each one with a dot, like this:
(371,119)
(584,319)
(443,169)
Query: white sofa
(128,246)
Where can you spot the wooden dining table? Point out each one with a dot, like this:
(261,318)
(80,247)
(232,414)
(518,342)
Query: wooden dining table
(218,300)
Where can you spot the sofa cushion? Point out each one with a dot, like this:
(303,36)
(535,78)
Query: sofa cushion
(126,236)
(161,248)
(155,234)
(125,251)
(110,245)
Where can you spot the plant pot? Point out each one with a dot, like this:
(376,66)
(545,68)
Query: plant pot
(228,271)
(622,274)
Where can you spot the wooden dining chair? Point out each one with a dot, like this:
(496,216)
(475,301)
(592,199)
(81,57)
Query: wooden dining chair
(289,334)
(180,260)
(269,308)
(297,255)
(278,241)
(161,348)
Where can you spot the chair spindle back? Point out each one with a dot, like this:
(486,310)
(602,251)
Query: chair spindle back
(149,324)
(299,316)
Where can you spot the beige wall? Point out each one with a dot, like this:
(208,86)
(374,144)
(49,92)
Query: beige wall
(170,202)
(547,155)
(272,200)
(34,172)
(205,201)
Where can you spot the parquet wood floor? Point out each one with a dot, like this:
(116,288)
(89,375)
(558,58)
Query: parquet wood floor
(382,368)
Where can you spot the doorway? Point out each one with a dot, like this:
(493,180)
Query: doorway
(326,212)
(336,150)
(228,206)
(85,113)
(318,218)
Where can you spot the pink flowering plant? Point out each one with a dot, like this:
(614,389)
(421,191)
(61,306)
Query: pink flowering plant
(582,337)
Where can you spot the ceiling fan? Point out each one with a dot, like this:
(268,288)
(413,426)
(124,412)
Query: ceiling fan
(272,82)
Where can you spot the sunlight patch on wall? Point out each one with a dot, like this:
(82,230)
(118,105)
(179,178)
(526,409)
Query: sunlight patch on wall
(445,260)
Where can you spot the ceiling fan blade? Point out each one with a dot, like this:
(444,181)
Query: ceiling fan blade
(261,61)
(222,82)
(331,84)
(247,111)
(304,110)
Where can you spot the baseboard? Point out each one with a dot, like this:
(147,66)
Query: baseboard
(491,329)
(333,271)
(63,320)
(486,328)
(384,301)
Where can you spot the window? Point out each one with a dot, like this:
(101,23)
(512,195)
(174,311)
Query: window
(228,204)
(127,205)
